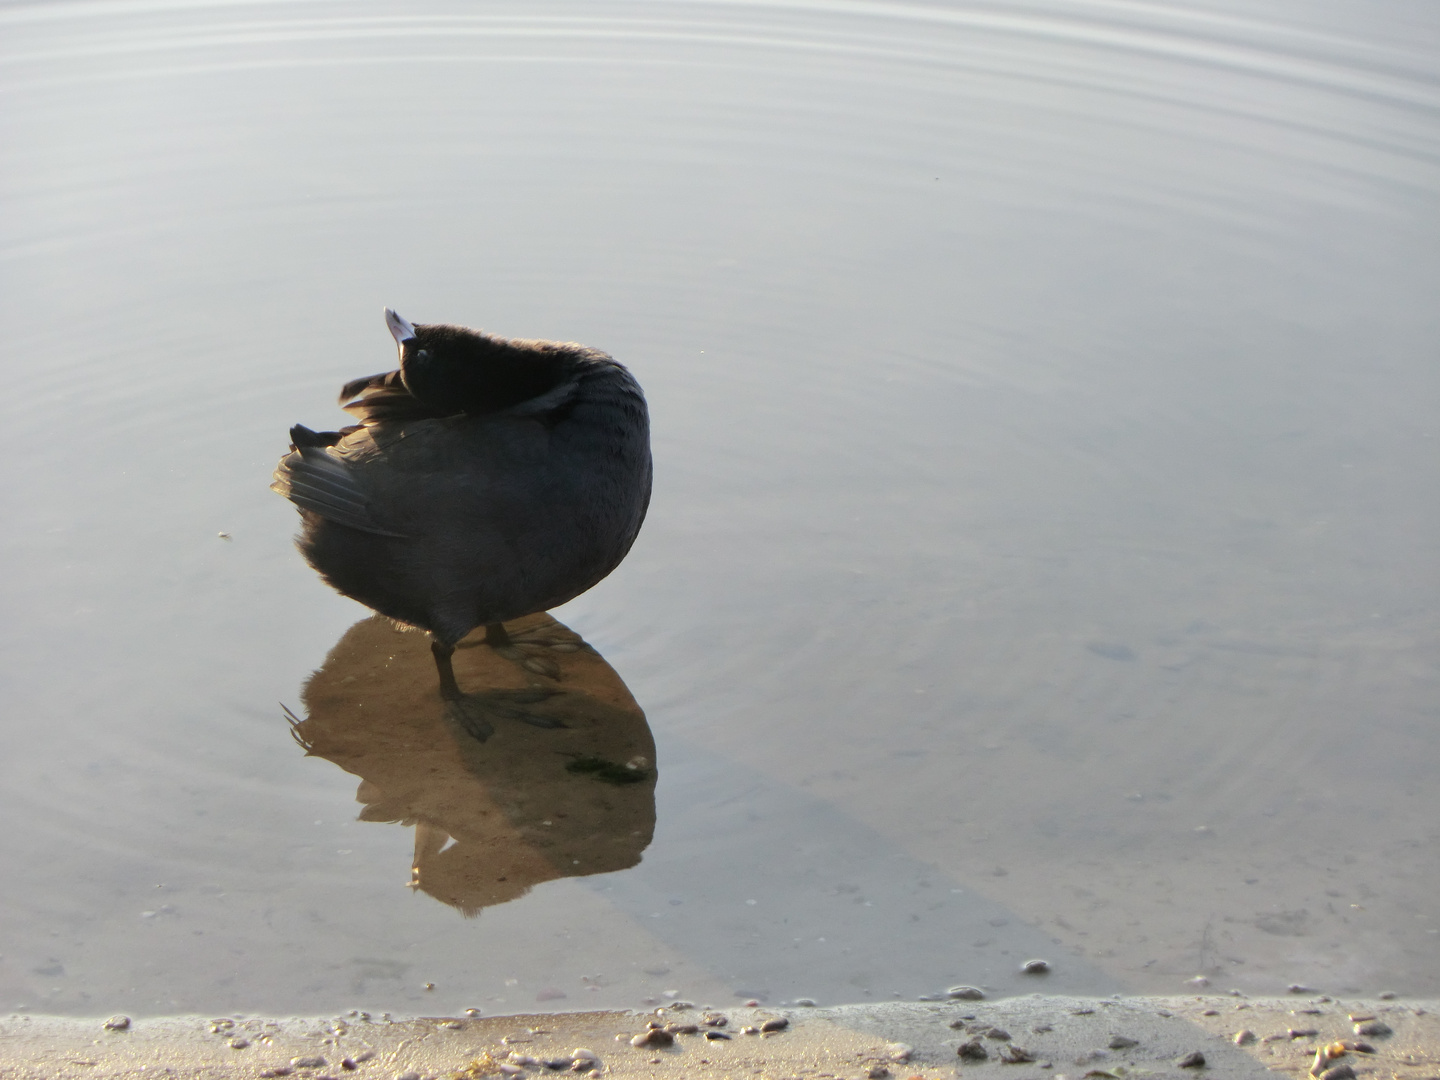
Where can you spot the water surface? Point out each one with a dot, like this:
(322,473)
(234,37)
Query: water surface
(1043,558)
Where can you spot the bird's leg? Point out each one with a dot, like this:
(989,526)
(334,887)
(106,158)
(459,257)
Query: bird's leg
(472,711)
(499,639)
(466,711)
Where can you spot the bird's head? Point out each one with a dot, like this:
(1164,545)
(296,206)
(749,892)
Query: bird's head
(454,367)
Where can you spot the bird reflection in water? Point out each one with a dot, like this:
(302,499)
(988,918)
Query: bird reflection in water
(568,792)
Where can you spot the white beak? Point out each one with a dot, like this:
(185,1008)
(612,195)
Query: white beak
(401,328)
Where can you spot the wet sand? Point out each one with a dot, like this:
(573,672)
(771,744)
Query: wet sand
(1060,1036)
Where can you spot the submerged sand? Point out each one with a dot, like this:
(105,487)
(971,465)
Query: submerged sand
(1063,1036)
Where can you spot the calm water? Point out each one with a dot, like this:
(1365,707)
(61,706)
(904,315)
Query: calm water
(1043,559)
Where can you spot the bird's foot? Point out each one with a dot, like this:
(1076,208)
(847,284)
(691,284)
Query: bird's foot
(475,713)
(530,657)
(471,716)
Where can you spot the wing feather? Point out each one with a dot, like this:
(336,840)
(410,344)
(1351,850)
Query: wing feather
(313,478)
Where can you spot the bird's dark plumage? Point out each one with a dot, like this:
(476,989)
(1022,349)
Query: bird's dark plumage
(488,478)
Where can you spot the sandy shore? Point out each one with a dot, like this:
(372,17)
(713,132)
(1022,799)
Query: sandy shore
(1022,1039)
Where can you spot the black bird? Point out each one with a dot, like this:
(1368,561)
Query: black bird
(488,478)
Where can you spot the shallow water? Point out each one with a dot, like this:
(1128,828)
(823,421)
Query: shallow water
(1043,559)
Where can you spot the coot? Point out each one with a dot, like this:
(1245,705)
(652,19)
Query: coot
(488,478)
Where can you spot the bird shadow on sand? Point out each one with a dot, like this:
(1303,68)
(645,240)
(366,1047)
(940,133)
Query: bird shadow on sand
(565,787)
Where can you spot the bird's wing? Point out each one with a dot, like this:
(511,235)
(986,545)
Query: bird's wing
(384,397)
(550,403)
(313,478)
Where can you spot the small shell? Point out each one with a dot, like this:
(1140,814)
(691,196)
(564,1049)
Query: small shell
(966,993)
(1034,967)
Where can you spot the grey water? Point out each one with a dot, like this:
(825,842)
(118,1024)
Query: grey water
(1044,559)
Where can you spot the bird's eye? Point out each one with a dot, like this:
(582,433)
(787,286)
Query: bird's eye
(423,354)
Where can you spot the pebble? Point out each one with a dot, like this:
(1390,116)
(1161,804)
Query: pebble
(713,1035)
(974,1050)
(878,1072)
(1199,981)
(1244,1037)
(1011,1054)
(653,1037)
(282,1070)
(965,993)
(1373,1028)
(453,1025)
(314,1062)
(1123,1042)
(1193,1060)
(239,1044)
(117,1023)
(714,1020)
(805,1003)
(1034,967)
(1339,1072)
(998,1033)
(412,1075)
(1301,1033)
(581,1054)
(749,1029)
(556,1064)
(1387,995)
(775,1023)
(1360,1018)
(583,1065)
(1042,1029)
(472,1012)
(1297,988)
(682,1029)
(899,1052)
